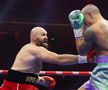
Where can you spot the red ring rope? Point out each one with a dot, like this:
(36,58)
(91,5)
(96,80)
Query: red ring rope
(70,73)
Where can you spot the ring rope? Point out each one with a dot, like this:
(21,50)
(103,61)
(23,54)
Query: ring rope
(70,73)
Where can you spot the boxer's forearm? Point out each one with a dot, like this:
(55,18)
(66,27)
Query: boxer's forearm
(79,43)
(67,59)
(82,46)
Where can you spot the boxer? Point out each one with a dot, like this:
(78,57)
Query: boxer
(91,30)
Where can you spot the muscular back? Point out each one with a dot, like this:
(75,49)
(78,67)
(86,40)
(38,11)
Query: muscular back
(26,62)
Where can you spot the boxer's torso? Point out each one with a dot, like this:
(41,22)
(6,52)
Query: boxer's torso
(27,62)
(101,37)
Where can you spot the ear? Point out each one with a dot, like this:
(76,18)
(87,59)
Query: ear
(33,37)
(90,15)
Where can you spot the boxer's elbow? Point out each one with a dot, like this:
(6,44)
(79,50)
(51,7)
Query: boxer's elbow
(82,52)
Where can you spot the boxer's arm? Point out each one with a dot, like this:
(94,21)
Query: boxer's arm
(85,43)
(60,59)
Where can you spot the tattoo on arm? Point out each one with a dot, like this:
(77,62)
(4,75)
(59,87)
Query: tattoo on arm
(88,41)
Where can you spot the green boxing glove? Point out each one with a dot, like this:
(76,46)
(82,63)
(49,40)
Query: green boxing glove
(77,19)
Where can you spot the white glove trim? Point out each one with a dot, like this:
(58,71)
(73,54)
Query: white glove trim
(78,32)
(42,81)
(82,59)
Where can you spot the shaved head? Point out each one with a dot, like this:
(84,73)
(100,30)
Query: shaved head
(90,8)
(37,30)
(39,37)
(91,14)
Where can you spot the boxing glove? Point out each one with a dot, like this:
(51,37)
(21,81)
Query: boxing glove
(76,19)
(91,56)
(46,81)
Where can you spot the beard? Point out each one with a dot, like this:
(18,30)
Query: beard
(45,45)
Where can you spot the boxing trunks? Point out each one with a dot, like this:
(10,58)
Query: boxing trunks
(99,76)
(19,81)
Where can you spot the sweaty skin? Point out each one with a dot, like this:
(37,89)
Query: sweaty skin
(95,36)
(31,56)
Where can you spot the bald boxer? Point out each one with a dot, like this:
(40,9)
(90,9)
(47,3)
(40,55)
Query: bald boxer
(91,30)
(24,74)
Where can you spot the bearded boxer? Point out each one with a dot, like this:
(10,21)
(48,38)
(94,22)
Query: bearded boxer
(91,30)
(24,74)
